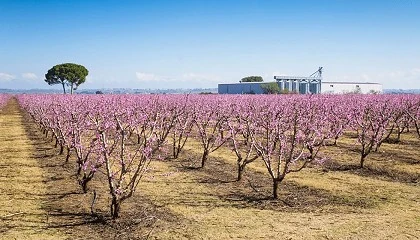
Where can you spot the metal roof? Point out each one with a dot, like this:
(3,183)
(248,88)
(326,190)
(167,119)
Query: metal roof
(350,83)
(296,78)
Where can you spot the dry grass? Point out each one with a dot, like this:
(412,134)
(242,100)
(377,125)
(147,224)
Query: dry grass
(329,202)
(320,203)
(22,191)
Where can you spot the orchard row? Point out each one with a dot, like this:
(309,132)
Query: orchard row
(4,98)
(119,135)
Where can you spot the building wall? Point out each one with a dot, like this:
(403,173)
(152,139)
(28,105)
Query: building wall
(299,84)
(240,88)
(349,87)
(326,87)
(255,87)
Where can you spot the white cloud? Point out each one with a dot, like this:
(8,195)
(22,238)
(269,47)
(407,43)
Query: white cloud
(143,77)
(344,78)
(366,77)
(412,74)
(269,77)
(90,79)
(30,76)
(278,74)
(199,77)
(6,77)
(401,79)
(186,77)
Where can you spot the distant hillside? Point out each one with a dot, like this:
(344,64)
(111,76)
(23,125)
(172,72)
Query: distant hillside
(29,91)
(114,91)
(399,91)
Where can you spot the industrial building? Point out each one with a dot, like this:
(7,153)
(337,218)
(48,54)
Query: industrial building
(303,85)
(350,87)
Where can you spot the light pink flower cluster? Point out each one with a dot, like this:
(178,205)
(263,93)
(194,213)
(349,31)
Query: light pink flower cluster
(120,134)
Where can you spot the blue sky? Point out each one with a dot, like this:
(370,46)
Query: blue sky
(197,44)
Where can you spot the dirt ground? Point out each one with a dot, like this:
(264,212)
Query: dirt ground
(22,187)
(40,198)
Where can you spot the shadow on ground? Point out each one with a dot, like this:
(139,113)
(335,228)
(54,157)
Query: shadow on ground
(69,210)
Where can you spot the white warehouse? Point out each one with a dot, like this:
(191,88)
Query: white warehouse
(350,87)
(303,85)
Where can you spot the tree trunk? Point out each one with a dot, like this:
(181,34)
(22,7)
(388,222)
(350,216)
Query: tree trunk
(84,183)
(64,88)
(92,205)
(61,149)
(362,160)
(363,153)
(71,88)
(115,208)
(275,188)
(418,131)
(175,151)
(79,169)
(204,158)
(241,169)
(68,155)
(399,134)
(176,154)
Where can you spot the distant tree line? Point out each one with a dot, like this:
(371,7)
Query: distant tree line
(252,79)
